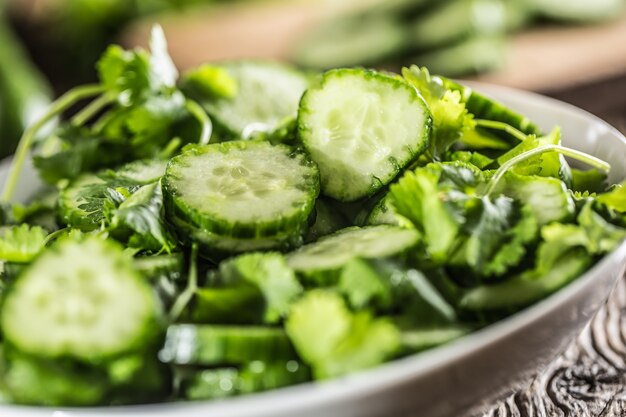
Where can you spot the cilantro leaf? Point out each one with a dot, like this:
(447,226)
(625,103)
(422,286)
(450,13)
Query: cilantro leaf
(141,214)
(151,125)
(270,273)
(450,116)
(163,72)
(333,340)
(495,236)
(21,244)
(547,164)
(602,236)
(615,198)
(589,181)
(431,88)
(125,74)
(73,150)
(511,252)
(363,285)
(132,75)
(565,252)
(416,197)
(487,227)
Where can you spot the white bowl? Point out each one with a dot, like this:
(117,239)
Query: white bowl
(452,380)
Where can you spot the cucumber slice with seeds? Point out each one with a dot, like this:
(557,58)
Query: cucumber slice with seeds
(80,299)
(362,127)
(334,251)
(242,190)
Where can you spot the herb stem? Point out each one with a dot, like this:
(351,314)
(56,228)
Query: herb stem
(207,126)
(91,110)
(572,153)
(492,124)
(52,236)
(192,285)
(170,148)
(28,137)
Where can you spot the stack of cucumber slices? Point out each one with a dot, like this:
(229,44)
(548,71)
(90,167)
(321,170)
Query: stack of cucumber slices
(249,226)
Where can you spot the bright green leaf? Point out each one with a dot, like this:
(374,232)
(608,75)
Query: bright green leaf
(21,244)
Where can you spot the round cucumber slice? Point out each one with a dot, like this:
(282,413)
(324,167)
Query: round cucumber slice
(362,127)
(334,251)
(80,299)
(242,189)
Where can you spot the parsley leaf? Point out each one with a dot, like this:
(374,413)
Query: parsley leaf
(335,341)
(450,116)
(270,273)
(615,198)
(416,197)
(141,214)
(21,244)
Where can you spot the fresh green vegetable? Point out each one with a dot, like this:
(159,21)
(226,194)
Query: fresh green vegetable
(180,272)
(367,117)
(212,188)
(88,302)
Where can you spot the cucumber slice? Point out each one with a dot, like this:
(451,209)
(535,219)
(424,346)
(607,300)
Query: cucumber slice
(578,10)
(266,94)
(81,299)
(334,251)
(70,202)
(243,190)
(143,172)
(188,344)
(362,127)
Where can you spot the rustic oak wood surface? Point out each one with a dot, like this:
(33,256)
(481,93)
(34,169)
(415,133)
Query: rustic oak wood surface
(587,380)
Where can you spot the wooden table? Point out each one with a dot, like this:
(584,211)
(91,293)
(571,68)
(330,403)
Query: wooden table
(587,380)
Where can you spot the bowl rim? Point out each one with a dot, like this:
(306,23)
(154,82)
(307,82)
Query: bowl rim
(364,383)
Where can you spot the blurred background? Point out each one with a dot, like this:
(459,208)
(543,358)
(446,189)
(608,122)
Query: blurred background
(569,49)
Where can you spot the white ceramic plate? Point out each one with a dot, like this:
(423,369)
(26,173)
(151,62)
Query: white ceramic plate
(451,380)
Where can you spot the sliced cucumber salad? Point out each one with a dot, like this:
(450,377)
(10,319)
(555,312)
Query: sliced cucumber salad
(248,227)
